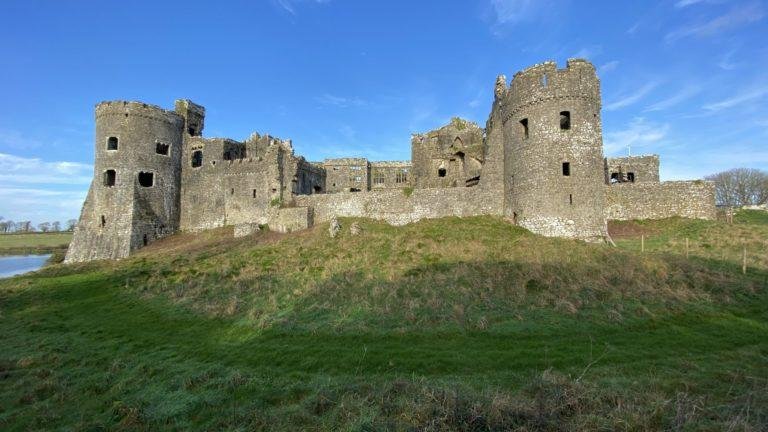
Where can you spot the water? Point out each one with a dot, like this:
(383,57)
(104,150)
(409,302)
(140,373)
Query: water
(18,264)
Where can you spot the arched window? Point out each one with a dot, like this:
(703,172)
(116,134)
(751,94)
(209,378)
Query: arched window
(110,176)
(112,143)
(565,120)
(197,158)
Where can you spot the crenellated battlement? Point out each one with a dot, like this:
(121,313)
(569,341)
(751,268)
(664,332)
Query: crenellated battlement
(544,82)
(137,109)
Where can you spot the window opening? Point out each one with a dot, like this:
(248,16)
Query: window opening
(566,169)
(112,143)
(197,158)
(524,124)
(146,179)
(441,172)
(110,176)
(161,148)
(631,177)
(565,120)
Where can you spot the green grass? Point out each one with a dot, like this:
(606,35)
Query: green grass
(34,243)
(453,324)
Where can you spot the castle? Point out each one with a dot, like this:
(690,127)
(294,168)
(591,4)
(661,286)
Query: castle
(538,163)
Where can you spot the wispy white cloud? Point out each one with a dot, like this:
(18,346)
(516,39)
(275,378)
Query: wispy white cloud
(608,67)
(37,190)
(638,133)
(727,63)
(340,101)
(684,94)
(741,98)
(629,99)
(515,11)
(736,17)
(290,5)
(588,52)
(21,170)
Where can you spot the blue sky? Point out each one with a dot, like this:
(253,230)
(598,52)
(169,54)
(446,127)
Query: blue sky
(686,79)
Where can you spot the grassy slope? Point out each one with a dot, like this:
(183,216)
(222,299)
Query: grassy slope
(457,323)
(34,243)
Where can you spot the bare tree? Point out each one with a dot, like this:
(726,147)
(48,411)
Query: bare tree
(740,186)
(44,226)
(56,226)
(24,226)
(71,224)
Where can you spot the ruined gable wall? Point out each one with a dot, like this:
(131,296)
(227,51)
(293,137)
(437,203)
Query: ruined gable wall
(645,168)
(397,208)
(449,156)
(690,199)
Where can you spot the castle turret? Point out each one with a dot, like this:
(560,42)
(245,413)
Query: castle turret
(134,196)
(553,154)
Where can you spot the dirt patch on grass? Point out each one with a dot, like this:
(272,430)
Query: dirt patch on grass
(629,229)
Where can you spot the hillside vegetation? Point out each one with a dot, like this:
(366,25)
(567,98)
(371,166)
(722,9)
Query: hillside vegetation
(450,324)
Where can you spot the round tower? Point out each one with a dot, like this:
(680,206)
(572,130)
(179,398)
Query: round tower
(134,196)
(553,150)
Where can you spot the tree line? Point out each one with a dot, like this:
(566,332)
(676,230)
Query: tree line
(8,226)
(740,187)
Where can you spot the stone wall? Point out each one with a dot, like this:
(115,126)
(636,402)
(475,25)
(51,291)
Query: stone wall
(689,199)
(398,208)
(390,175)
(637,169)
(345,174)
(451,156)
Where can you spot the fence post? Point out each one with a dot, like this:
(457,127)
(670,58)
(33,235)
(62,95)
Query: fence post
(744,258)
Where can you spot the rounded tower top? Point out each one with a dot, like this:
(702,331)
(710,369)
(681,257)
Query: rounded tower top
(137,109)
(544,82)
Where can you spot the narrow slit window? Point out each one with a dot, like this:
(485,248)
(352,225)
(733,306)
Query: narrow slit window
(524,125)
(110,176)
(254,193)
(566,169)
(103,221)
(112,143)
(565,120)
(161,148)
(197,158)
(570,199)
(544,81)
(146,179)
(145,240)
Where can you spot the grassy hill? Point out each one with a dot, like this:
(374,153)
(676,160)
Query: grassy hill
(451,324)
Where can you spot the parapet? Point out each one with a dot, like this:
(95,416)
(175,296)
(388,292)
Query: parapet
(137,109)
(346,161)
(544,81)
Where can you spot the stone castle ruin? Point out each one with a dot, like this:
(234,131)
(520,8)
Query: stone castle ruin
(538,163)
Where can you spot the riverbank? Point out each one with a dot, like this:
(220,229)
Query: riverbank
(53,243)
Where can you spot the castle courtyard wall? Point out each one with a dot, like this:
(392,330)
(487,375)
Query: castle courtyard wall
(689,199)
(399,208)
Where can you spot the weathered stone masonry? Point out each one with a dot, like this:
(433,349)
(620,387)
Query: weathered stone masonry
(538,162)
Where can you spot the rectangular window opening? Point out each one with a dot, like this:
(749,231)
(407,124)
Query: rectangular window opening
(524,124)
(565,120)
(110,176)
(631,177)
(161,148)
(254,193)
(570,199)
(566,169)
(112,143)
(146,179)
(197,158)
